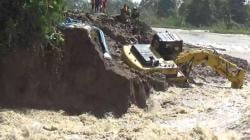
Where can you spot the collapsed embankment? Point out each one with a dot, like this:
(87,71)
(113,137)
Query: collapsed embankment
(76,79)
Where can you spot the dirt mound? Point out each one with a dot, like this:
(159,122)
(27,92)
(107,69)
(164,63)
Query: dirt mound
(120,32)
(204,73)
(77,80)
(238,61)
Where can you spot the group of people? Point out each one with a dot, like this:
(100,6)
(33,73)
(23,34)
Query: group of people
(127,13)
(99,5)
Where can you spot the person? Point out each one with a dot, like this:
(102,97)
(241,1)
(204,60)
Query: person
(125,13)
(104,5)
(135,13)
(97,5)
(93,5)
(124,9)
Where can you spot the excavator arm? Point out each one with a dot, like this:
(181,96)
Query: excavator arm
(187,59)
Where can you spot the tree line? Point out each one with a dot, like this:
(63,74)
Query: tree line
(26,22)
(201,12)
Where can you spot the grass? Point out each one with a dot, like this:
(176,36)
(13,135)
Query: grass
(222,28)
(178,22)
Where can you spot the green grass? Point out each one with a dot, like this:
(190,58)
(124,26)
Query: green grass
(174,22)
(234,29)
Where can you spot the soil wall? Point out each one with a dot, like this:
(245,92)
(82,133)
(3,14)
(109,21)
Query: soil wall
(77,79)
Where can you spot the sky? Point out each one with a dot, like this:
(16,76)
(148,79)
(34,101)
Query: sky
(136,1)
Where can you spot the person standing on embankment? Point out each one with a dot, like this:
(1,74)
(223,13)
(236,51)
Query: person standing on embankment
(97,5)
(93,5)
(104,5)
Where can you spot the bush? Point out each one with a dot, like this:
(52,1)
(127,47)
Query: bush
(26,22)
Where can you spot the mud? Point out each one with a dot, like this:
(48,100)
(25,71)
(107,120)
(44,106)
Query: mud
(120,32)
(80,81)
(238,61)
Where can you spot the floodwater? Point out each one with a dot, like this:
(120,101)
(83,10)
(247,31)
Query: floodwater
(237,45)
(204,113)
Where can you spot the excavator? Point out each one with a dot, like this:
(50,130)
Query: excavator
(165,55)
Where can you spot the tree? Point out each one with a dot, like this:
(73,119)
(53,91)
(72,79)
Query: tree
(200,12)
(248,15)
(26,22)
(238,10)
(166,7)
(221,9)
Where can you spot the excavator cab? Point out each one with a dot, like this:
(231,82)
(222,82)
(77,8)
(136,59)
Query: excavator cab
(167,44)
(145,56)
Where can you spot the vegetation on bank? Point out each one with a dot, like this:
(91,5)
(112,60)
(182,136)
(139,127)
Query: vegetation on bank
(216,28)
(223,16)
(29,23)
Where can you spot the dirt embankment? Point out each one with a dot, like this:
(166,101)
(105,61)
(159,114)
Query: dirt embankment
(77,79)
(119,33)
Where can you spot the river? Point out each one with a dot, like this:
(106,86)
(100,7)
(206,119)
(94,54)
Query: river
(237,45)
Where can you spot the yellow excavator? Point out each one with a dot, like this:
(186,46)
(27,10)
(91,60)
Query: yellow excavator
(165,55)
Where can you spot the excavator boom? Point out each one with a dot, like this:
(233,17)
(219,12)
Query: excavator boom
(222,66)
(165,55)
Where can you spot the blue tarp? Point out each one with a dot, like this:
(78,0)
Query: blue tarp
(105,49)
(68,21)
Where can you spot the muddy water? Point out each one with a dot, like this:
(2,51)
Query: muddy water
(202,112)
(234,44)
(212,107)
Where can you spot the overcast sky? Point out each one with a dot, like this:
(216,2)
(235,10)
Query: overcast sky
(136,1)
